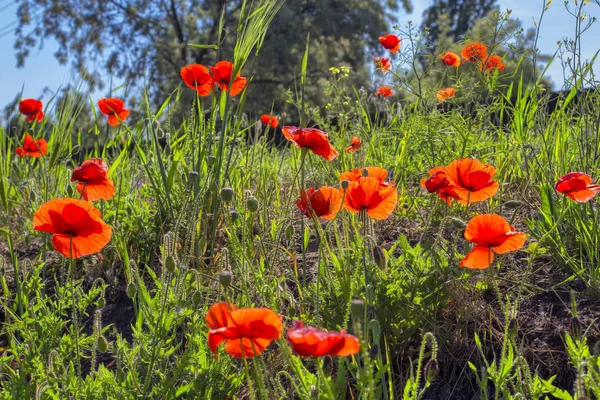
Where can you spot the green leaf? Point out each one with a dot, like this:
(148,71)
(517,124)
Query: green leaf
(304,61)
(204,46)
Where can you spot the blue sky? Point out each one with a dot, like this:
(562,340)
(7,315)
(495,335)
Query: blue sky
(42,74)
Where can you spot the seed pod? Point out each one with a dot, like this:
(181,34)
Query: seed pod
(170,264)
(459,223)
(211,160)
(102,344)
(365,172)
(512,204)
(193,177)
(357,307)
(227,194)
(233,214)
(379,257)
(345,184)
(252,204)
(225,278)
(131,290)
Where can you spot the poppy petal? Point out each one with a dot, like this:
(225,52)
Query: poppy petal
(478,258)
(246,347)
(103,190)
(513,242)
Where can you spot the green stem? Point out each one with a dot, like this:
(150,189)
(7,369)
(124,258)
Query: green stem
(75,325)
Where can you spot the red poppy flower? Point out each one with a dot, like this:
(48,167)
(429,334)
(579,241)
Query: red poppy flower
(247,332)
(197,77)
(445,94)
(32,148)
(384,91)
(492,63)
(475,52)
(390,42)
(451,59)
(577,186)
(491,234)
(369,194)
(374,172)
(472,180)
(355,144)
(222,72)
(269,120)
(93,180)
(75,221)
(438,183)
(115,109)
(324,202)
(384,64)
(312,342)
(32,109)
(310,138)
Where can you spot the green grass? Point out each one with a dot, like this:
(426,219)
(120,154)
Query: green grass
(429,327)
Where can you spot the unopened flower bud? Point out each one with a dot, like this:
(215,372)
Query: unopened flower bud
(252,204)
(379,257)
(357,307)
(227,194)
(459,223)
(102,344)
(100,303)
(196,297)
(512,204)
(431,370)
(170,264)
(225,278)
(131,290)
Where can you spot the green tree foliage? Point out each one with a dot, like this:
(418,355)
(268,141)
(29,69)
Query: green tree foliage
(145,42)
(453,17)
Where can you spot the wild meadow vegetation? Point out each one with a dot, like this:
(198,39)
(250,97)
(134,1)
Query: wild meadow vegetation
(445,246)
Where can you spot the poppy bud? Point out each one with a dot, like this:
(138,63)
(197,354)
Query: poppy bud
(252,204)
(227,194)
(374,351)
(431,370)
(196,297)
(357,307)
(170,264)
(225,278)
(211,160)
(379,257)
(100,303)
(233,214)
(193,177)
(365,172)
(345,184)
(102,344)
(512,204)
(131,290)
(459,223)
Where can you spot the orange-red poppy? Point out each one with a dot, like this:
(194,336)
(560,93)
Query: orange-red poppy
(374,172)
(93,180)
(492,63)
(472,180)
(445,94)
(222,72)
(32,148)
(491,234)
(32,109)
(75,224)
(384,91)
(324,202)
(269,120)
(312,342)
(451,59)
(197,77)
(439,183)
(115,109)
(367,193)
(355,144)
(382,63)
(247,332)
(390,42)
(310,138)
(577,186)
(475,52)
